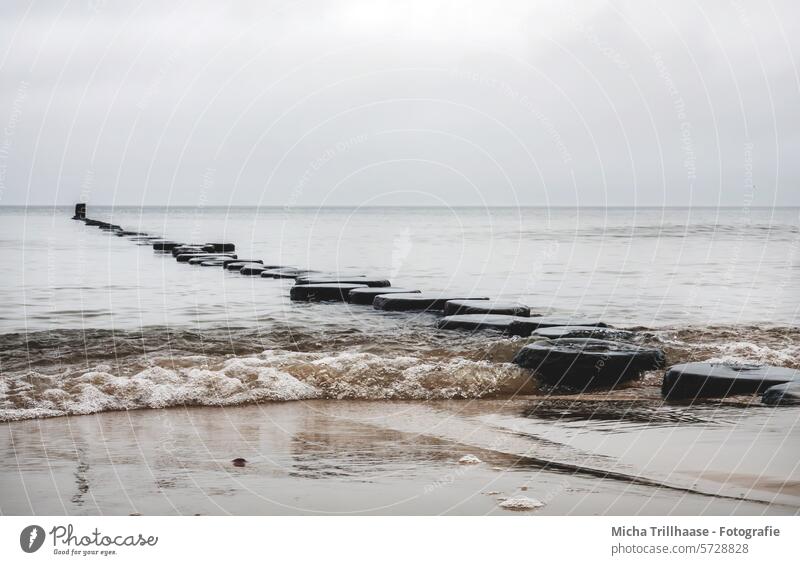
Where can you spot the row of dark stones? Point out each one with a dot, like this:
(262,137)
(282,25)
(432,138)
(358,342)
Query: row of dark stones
(574,353)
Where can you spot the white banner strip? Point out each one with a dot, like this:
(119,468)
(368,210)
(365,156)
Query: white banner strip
(350,540)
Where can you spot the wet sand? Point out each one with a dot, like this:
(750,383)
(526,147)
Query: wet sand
(362,457)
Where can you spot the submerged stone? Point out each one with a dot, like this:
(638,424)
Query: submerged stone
(200,259)
(366,296)
(252,269)
(786,394)
(454,307)
(227,262)
(525,327)
(286,273)
(418,302)
(181,249)
(498,322)
(718,380)
(559,332)
(187,257)
(368,281)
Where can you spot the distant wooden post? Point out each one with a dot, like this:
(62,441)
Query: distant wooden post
(80,211)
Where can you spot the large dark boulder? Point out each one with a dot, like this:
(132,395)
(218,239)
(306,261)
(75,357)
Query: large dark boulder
(586,363)
(718,380)
(418,302)
(366,296)
(318,292)
(455,307)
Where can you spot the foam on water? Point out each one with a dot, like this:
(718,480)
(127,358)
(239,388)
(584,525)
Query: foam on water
(521,503)
(270,376)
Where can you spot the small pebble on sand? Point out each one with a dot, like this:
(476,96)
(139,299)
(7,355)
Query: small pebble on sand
(239,462)
(491,492)
(521,503)
(469,460)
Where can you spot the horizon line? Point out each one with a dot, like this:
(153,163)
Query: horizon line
(405,206)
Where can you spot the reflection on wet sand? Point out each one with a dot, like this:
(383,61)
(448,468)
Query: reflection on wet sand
(395,457)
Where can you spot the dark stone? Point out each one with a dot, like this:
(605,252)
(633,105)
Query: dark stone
(165,245)
(560,332)
(367,295)
(186,257)
(222,247)
(200,259)
(227,262)
(717,380)
(585,363)
(525,327)
(111,227)
(252,269)
(212,263)
(185,248)
(237,265)
(80,211)
(122,233)
(286,273)
(454,307)
(787,394)
(417,302)
(498,322)
(239,462)
(371,282)
(332,291)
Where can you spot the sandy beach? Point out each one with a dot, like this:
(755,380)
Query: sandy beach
(352,457)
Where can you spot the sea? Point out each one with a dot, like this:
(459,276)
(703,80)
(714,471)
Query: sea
(92,322)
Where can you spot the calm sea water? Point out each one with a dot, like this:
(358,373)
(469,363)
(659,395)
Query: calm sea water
(90,321)
(631,266)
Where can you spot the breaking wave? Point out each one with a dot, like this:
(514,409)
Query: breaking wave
(269,376)
(72,372)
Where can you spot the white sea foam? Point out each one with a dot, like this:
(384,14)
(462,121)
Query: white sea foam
(521,503)
(271,376)
(745,353)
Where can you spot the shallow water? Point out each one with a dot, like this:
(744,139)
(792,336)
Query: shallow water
(345,457)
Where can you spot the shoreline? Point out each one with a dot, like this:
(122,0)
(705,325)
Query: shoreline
(385,457)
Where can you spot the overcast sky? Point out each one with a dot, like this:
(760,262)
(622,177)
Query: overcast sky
(400,102)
